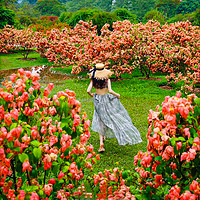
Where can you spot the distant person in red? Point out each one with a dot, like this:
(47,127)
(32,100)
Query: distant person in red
(110,118)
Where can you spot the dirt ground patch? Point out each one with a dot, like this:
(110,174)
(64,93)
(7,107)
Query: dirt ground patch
(151,78)
(166,87)
(28,59)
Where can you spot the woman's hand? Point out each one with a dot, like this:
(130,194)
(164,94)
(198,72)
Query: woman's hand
(92,94)
(118,96)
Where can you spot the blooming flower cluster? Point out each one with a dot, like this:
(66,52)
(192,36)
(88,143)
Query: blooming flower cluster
(150,47)
(111,185)
(189,81)
(172,159)
(43,141)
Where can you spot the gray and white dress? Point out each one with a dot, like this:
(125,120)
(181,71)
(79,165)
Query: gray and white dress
(112,120)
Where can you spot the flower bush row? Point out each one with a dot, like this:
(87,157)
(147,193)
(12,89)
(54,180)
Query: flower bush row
(170,167)
(149,47)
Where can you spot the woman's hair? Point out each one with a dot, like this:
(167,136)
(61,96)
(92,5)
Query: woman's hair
(100,83)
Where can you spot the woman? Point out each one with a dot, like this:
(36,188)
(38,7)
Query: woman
(110,118)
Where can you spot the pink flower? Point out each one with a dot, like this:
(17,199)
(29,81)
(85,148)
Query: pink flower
(51,86)
(187,132)
(8,119)
(76,121)
(16,132)
(47,189)
(61,175)
(188,196)
(13,77)
(15,114)
(178,94)
(21,71)
(90,148)
(89,156)
(46,92)
(34,196)
(21,195)
(52,181)
(107,173)
(53,140)
(26,166)
(25,96)
(86,124)
(30,90)
(179,145)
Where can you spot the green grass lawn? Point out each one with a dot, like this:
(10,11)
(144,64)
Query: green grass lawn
(137,95)
(11,60)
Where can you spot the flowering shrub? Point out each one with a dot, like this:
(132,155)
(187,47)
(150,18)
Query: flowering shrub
(110,185)
(150,47)
(12,39)
(7,35)
(43,141)
(189,81)
(172,160)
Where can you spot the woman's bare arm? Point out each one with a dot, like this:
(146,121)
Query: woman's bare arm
(111,91)
(90,89)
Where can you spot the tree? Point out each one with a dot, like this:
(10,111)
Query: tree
(7,17)
(73,6)
(140,7)
(122,4)
(123,14)
(187,6)
(8,3)
(155,15)
(27,9)
(49,7)
(105,5)
(168,6)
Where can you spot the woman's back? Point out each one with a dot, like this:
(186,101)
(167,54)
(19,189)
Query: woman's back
(101,86)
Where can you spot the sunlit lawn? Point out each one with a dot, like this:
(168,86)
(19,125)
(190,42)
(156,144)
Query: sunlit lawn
(11,60)
(138,97)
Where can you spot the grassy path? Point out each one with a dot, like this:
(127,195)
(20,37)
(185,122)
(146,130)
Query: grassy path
(137,95)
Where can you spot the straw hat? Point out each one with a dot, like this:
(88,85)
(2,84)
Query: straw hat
(99,72)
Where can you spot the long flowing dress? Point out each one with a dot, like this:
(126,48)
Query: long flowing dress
(112,120)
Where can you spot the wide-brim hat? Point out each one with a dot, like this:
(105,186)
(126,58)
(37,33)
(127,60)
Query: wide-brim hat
(99,72)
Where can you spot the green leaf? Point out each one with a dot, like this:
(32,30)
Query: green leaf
(64,122)
(173,142)
(66,108)
(159,158)
(10,155)
(197,101)
(65,169)
(159,169)
(14,125)
(10,144)
(32,188)
(23,157)
(124,174)
(37,153)
(35,143)
(180,139)
(197,111)
(17,149)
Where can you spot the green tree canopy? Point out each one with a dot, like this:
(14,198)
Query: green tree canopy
(154,15)
(123,14)
(187,6)
(168,6)
(7,17)
(50,7)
